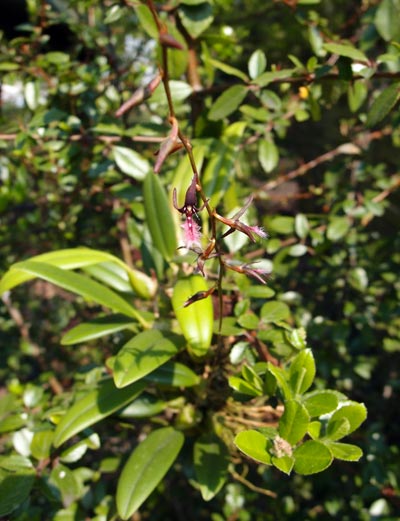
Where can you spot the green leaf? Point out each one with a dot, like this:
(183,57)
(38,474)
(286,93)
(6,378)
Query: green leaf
(312,457)
(320,402)
(158,216)
(195,320)
(227,102)
(111,274)
(293,424)
(228,69)
(142,354)
(337,228)
(14,489)
(41,444)
(211,461)
(301,225)
(96,328)
(65,480)
(345,451)
(76,283)
(345,50)
(274,311)
(146,20)
(73,258)
(196,17)
(337,429)
(131,163)
(255,445)
(145,406)
(383,104)
(355,413)
(302,371)
(257,64)
(93,407)
(357,94)
(271,76)
(281,377)
(145,468)
(284,463)
(268,155)
(387,19)
(174,374)
(297,250)
(241,386)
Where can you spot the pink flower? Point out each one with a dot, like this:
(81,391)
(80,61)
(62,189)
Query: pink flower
(192,234)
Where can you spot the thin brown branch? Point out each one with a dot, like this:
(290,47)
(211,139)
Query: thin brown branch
(251,486)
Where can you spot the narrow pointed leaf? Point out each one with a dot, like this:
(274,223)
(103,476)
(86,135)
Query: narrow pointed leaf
(145,468)
(383,104)
(79,284)
(302,372)
(96,328)
(93,407)
(142,354)
(257,64)
(158,217)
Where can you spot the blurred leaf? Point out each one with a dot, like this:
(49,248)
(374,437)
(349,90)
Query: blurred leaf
(41,444)
(228,69)
(268,155)
(301,225)
(211,461)
(345,50)
(383,104)
(257,64)
(145,468)
(271,76)
(14,490)
(196,17)
(227,102)
(337,228)
(131,163)
(386,19)
(274,311)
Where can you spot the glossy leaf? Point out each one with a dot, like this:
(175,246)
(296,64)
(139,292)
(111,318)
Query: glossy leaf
(211,461)
(383,104)
(158,217)
(73,258)
(387,18)
(312,457)
(302,371)
(174,374)
(293,424)
(284,464)
(355,413)
(227,102)
(241,386)
(142,354)
(345,451)
(146,405)
(79,284)
(93,407)
(255,445)
(14,489)
(301,225)
(96,328)
(320,402)
(41,444)
(145,468)
(228,69)
(195,320)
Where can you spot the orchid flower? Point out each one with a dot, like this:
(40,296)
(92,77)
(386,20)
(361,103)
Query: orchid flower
(235,224)
(192,234)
